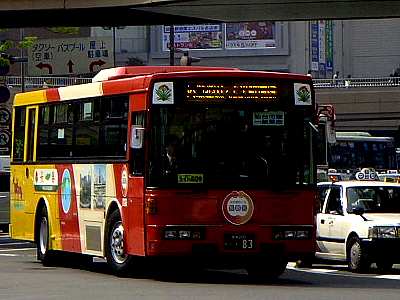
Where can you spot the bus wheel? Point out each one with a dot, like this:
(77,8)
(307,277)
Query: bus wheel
(116,255)
(356,256)
(42,243)
(272,270)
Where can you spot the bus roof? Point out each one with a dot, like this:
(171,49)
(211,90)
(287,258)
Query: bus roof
(124,72)
(119,80)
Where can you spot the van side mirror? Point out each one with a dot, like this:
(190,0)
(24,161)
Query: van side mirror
(358,210)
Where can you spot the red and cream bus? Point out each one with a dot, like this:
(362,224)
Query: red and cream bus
(213,165)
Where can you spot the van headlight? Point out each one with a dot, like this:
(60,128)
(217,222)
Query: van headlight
(384,232)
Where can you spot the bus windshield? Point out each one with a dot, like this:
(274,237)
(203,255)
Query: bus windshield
(226,146)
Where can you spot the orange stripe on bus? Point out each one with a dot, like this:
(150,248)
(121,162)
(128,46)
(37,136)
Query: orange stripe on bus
(52,94)
(118,86)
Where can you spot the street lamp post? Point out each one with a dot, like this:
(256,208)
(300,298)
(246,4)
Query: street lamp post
(113,33)
(114,38)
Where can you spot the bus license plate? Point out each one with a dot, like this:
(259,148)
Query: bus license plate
(239,241)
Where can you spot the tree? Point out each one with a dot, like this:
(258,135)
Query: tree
(7,59)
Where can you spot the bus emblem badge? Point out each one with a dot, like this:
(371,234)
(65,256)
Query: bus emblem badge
(237,207)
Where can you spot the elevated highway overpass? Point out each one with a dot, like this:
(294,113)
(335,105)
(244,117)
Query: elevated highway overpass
(29,13)
(375,108)
(371,104)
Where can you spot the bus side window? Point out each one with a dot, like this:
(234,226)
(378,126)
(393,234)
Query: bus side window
(137,144)
(19,134)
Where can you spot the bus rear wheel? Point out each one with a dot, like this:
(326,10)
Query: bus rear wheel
(117,258)
(43,238)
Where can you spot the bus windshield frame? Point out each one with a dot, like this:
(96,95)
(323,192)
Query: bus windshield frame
(223,142)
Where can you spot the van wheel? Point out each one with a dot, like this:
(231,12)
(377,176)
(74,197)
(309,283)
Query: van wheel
(356,257)
(43,238)
(117,258)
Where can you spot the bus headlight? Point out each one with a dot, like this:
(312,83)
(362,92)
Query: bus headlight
(384,232)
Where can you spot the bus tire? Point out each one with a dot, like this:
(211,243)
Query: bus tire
(115,249)
(356,256)
(260,271)
(43,238)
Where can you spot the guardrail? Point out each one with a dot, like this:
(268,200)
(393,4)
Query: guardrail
(40,82)
(44,82)
(357,82)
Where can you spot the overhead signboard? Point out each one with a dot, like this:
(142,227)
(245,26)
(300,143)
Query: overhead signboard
(200,36)
(70,56)
(250,35)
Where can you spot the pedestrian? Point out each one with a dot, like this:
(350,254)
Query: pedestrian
(347,81)
(396,72)
(335,78)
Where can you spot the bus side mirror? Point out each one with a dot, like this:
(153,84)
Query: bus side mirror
(137,133)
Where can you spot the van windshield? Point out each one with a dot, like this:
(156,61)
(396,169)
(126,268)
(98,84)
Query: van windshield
(377,199)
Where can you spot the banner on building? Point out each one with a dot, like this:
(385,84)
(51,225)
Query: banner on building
(250,35)
(314,46)
(202,36)
(321,43)
(329,45)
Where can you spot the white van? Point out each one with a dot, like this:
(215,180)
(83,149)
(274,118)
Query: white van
(359,222)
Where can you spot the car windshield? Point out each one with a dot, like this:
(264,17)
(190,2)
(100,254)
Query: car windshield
(374,199)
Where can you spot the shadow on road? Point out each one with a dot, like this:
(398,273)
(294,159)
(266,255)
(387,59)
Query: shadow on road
(179,274)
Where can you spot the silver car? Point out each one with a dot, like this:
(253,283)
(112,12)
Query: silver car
(4,201)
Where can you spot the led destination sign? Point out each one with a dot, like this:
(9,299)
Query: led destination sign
(236,91)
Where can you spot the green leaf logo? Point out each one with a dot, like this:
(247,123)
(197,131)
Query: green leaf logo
(163,93)
(304,94)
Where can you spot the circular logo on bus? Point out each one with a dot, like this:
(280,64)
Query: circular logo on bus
(66,191)
(124,181)
(237,208)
